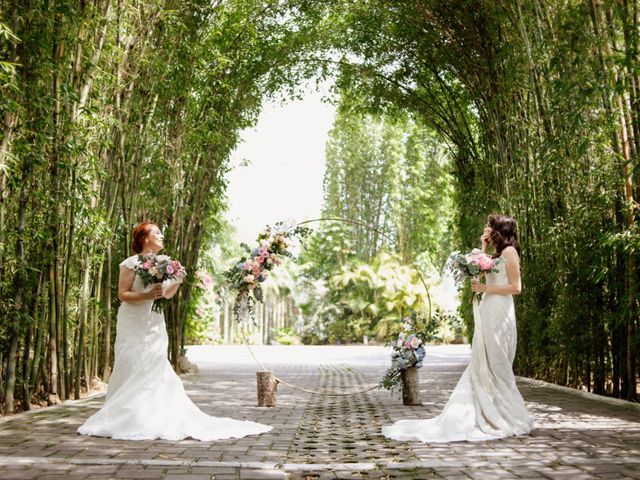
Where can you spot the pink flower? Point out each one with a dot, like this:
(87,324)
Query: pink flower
(247,266)
(415,342)
(249,278)
(484,261)
(170,269)
(147,265)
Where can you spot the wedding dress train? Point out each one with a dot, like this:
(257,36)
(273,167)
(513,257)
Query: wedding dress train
(145,398)
(486,403)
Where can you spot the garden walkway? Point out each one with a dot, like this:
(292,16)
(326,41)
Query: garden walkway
(319,437)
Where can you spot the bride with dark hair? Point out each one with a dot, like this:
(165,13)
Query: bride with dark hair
(486,403)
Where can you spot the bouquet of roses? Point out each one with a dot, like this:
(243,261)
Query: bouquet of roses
(471,265)
(158,269)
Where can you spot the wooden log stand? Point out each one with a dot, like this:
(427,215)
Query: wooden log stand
(267,389)
(410,386)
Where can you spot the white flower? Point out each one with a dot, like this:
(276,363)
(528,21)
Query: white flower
(249,278)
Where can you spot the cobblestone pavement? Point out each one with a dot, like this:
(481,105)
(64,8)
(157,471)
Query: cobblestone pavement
(323,437)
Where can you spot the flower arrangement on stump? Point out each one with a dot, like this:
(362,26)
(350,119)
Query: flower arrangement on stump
(407,356)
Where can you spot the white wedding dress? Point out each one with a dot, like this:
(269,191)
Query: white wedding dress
(145,398)
(486,403)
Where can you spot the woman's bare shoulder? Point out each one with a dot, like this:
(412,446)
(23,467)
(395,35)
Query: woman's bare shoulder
(510,253)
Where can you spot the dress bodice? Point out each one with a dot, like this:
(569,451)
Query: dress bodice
(500,277)
(131,263)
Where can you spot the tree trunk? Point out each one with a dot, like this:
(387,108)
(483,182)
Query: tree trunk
(82,320)
(19,287)
(106,343)
(12,360)
(26,396)
(410,386)
(53,335)
(267,389)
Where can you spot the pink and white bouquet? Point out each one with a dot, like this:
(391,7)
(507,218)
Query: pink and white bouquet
(411,353)
(408,349)
(254,268)
(472,264)
(157,269)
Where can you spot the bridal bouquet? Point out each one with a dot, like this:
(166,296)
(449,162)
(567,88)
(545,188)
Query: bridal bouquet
(247,274)
(471,265)
(156,269)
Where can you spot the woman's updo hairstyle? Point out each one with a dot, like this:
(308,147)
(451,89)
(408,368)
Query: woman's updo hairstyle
(139,235)
(504,233)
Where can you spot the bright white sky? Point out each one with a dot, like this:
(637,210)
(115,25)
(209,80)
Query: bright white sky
(283,180)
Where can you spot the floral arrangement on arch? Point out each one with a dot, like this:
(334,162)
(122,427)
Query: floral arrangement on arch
(247,274)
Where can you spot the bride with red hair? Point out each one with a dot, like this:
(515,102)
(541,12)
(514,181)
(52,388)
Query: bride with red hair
(145,398)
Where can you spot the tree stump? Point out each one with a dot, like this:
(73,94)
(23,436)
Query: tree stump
(267,389)
(410,386)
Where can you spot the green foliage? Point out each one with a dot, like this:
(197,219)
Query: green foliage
(387,179)
(286,336)
(115,112)
(536,103)
(358,298)
(389,173)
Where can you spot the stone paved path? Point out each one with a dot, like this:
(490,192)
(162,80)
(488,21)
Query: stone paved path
(320,437)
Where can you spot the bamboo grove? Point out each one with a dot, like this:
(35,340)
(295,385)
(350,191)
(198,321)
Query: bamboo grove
(115,111)
(540,105)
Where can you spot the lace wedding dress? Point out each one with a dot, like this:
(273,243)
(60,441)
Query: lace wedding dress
(486,403)
(145,398)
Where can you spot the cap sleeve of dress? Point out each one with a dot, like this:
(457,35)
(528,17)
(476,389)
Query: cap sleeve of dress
(130,262)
